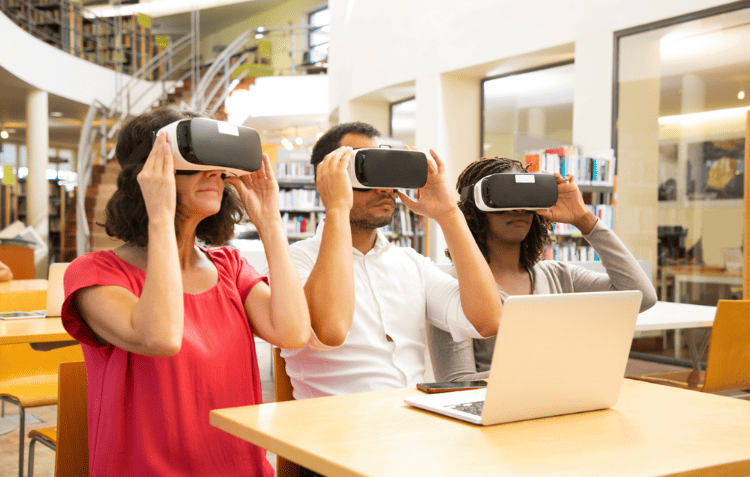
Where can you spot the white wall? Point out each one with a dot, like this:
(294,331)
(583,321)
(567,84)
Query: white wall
(446,49)
(52,70)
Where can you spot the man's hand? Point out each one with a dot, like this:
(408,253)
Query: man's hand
(435,199)
(333,183)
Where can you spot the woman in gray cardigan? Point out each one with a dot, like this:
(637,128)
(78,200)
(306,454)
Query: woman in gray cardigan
(513,243)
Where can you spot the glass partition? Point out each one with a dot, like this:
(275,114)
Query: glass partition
(528,111)
(680,112)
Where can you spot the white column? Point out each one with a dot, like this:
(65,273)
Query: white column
(448,121)
(37,159)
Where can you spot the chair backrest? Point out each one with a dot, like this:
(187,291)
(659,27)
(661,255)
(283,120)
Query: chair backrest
(283,389)
(20,259)
(19,363)
(728,364)
(72,456)
(282,383)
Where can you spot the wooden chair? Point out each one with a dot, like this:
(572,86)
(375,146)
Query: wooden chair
(20,259)
(283,389)
(728,364)
(72,440)
(29,378)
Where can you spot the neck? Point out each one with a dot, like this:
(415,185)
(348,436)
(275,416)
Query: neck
(504,257)
(363,239)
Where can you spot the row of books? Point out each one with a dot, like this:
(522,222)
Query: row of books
(569,160)
(570,251)
(405,223)
(298,226)
(295,172)
(605,213)
(299,199)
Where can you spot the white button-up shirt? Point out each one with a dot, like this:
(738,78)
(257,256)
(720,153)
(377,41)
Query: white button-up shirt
(395,289)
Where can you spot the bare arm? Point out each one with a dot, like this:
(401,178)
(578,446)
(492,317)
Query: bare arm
(277,313)
(153,324)
(480,299)
(330,285)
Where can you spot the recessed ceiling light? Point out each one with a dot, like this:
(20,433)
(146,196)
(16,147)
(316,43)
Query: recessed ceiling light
(4,134)
(56,114)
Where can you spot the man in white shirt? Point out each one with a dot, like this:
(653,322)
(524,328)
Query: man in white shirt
(369,299)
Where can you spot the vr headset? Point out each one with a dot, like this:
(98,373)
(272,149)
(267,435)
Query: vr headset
(510,191)
(383,168)
(201,144)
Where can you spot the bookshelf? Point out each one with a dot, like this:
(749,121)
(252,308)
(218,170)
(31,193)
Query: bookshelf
(302,210)
(125,41)
(595,176)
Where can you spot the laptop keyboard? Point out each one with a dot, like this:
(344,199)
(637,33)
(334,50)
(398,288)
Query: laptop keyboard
(470,407)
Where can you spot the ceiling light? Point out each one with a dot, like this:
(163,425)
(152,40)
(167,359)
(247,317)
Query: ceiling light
(4,134)
(298,141)
(741,95)
(287,144)
(56,114)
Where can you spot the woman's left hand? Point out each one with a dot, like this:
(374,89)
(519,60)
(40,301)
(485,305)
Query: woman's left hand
(259,193)
(435,199)
(570,208)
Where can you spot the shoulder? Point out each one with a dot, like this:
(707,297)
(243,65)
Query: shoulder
(102,268)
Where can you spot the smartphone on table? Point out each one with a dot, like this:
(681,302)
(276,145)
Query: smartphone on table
(444,387)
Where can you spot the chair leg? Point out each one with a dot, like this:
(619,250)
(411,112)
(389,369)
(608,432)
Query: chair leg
(32,442)
(21,437)
(31,457)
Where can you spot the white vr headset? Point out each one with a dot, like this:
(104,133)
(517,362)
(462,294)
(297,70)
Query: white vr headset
(385,168)
(511,191)
(201,144)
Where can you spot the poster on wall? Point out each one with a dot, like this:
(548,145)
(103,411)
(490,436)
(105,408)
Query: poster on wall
(715,169)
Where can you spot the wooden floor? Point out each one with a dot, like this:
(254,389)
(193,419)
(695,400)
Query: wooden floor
(45,458)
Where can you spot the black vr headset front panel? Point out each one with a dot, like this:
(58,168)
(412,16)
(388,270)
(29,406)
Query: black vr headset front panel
(204,144)
(383,168)
(510,191)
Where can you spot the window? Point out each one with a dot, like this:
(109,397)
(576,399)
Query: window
(320,28)
(527,111)
(680,112)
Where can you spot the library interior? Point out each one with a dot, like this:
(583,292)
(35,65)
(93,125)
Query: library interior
(642,107)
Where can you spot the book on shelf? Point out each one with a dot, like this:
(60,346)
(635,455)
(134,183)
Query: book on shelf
(604,212)
(569,251)
(595,170)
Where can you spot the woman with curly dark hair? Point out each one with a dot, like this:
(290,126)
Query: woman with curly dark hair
(513,244)
(167,325)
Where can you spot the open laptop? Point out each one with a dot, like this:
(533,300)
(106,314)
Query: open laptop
(554,354)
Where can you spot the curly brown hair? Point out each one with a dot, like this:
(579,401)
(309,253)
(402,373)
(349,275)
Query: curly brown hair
(532,247)
(126,216)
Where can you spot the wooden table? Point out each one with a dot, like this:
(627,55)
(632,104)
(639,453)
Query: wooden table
(23,295)
(652,430)
(37,331)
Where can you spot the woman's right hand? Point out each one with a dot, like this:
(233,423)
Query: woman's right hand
(157,181)
(333,183)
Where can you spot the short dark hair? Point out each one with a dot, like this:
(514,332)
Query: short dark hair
(125,214)
(532,246)
(331,140)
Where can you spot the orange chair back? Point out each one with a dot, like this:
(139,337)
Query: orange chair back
(728,364)
(72,457)
(20,259)
(33,374)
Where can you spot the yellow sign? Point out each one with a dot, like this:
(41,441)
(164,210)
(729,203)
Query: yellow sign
(8,177)
(144,20)
(162,41)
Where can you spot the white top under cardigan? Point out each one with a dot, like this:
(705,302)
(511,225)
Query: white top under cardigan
(396,291)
